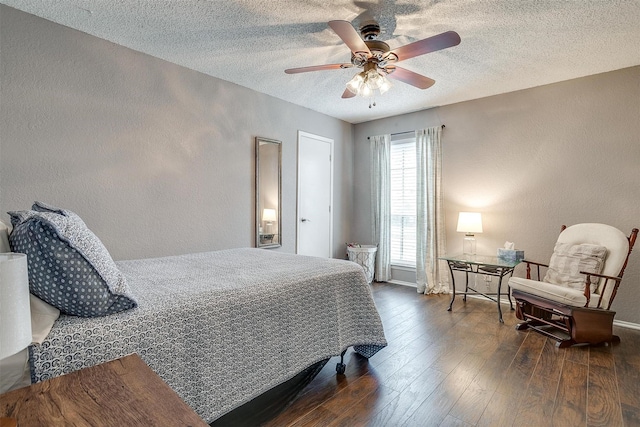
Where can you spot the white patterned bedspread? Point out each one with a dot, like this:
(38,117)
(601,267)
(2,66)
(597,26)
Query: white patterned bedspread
(223,327)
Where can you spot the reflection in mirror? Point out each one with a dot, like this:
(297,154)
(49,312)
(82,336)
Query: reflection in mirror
(268,193)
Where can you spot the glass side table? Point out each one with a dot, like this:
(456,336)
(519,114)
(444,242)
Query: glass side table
(480,264)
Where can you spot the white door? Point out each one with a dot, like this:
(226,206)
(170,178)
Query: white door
(315,195)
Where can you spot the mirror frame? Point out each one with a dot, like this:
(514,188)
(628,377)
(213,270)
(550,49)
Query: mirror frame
(261,240)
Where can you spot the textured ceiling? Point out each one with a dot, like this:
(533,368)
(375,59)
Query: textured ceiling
(506,44)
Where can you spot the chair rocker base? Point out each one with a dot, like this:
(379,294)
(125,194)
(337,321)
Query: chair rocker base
(566,324)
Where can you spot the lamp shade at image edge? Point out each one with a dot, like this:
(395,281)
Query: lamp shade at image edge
(15,315)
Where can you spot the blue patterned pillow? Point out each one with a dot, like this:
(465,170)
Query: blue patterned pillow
(69,267)
(45,207)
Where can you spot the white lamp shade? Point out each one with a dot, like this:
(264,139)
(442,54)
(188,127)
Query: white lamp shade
(15,312)
(269,215)
(469,222)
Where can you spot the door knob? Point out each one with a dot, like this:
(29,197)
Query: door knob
(305,220)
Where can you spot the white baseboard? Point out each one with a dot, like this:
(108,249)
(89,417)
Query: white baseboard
(627,325)
(401,283)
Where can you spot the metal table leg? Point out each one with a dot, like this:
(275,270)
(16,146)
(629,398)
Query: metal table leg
(466,286)
(453,284)
(493,268)
(498,299)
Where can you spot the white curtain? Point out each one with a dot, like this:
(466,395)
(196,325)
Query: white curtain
(431,273)
(381,204)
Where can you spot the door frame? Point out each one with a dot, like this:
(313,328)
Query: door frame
(330,142)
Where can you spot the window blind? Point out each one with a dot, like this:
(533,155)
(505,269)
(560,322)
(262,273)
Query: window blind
(403,202)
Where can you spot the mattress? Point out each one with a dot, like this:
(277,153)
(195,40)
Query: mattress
(223,327)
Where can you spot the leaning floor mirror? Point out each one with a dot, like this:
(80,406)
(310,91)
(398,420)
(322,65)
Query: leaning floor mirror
(268,193)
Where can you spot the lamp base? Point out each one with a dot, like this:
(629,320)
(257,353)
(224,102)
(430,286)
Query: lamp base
(469,245)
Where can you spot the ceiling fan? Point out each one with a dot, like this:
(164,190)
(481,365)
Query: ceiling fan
(378,60)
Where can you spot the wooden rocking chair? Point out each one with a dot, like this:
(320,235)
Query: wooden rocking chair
(572,303)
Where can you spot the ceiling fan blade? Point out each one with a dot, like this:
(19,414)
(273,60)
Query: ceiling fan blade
(350,37)
(409,77)
(348,94)
(431,44)
(317,68)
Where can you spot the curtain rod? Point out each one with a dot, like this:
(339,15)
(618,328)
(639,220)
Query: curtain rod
(408,131)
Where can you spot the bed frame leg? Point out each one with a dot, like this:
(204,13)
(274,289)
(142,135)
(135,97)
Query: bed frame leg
(340,366)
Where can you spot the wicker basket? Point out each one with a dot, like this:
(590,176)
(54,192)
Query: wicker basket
(365,256)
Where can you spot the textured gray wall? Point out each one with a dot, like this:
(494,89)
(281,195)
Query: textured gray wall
(157,159)
(531,161)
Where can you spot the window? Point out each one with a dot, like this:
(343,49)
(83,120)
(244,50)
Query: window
(403,202)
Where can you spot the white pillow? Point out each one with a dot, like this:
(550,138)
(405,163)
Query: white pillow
(43,316)
(569,260)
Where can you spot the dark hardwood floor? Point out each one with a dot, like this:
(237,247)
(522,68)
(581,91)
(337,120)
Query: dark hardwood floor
(463,368)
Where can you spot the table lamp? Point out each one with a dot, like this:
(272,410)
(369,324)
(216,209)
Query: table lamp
(15,311)
(469,223)
(269,217)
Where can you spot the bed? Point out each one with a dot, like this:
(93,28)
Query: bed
(222,328)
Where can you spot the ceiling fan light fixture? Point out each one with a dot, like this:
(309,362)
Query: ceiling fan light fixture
(355,83)
(378,60)
(367,82)
(385,86)
(374,79)
(365,91)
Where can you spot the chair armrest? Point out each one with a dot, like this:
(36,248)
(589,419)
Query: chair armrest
(587,287)
(537,264)
(616,278)
(534,263)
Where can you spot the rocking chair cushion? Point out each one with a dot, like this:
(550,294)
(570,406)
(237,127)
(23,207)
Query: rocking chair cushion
(569,260)
(559,294)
